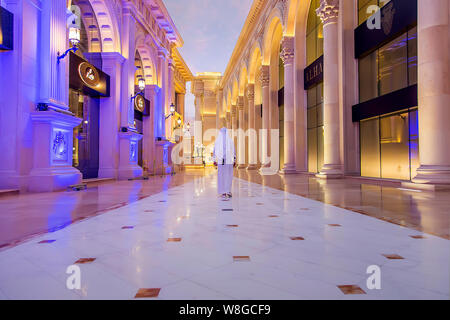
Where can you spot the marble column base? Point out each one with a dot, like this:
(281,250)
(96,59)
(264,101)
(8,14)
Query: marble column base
(104,173)
(439,175)
(242,166)
(53,179)
(331,171)
(130,172)
(252,167)
(288,169)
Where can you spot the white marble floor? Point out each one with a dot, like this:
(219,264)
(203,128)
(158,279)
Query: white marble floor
(337,248)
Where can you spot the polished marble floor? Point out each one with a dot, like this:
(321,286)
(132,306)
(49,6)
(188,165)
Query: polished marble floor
(185,243)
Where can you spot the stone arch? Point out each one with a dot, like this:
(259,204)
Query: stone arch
(148,61)
(89,20)
(291,15)
(108,24)
(273,25)
(254,63)
(243,79)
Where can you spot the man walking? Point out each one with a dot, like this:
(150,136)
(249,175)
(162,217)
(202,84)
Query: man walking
(225,160)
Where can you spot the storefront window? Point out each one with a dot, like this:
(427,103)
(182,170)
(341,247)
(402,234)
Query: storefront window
(314,34)
(389,68)
(314,49)
(392,60)
(390,146)
(315,128)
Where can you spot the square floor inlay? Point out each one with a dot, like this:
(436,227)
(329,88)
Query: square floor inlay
(334,225)
(351,289)
(393,256)
(232,225)
(128,227)
(46,241)
(174,240)
(227,209)
(297,238)
(148,293)
(418,237)
(241,258)
(85,260)
(273,216)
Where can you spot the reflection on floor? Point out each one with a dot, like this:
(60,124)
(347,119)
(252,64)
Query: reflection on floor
(186,243)
(421,210)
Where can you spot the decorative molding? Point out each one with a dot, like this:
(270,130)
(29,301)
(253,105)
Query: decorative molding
(328,11)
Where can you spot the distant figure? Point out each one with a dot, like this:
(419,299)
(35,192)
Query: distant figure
(225,160)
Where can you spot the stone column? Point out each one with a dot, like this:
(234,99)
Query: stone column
(252,136)
(198,91)
(434,92)
(162,70)
(128,136)
(287,55)
(328,13)
(264,136)
(219,109)
(241,134)
(150,128)
(110,117)
(52,126)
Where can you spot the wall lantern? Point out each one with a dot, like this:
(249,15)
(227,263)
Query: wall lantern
(172,111)
(141,84)
(74,38)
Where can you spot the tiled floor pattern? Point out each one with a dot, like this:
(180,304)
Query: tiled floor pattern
(180,244)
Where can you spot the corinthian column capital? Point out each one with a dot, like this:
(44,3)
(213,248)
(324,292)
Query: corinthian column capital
(251,92)
(287,50)
(265,76)
(328,11)
(240,103)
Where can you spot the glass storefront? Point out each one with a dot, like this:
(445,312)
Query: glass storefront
(315,128)
(314,50)
(389,143)
(390,146)
(281,113)
(86,135)
(390,68)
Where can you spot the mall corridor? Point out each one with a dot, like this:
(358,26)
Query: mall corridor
(173,238)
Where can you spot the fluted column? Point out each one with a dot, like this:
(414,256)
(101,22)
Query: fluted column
(241,133)
(252,136)
(328,12)
(234,124)
(287,55)
(264,137)
(434,92)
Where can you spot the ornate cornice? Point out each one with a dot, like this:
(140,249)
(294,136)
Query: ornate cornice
(328,11)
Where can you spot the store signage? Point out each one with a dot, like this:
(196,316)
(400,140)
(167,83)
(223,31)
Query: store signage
(385,25)
(139,103)
(6,30)
(88,79)
(314,73)
(89,75)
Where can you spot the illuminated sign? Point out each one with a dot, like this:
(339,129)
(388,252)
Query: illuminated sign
(86,78)
(6,29)
(139,103)
(89,75)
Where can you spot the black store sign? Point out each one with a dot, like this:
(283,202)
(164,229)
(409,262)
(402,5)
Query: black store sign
(142,105)
(314,73)
(87,78)
(6,30)
(396,17)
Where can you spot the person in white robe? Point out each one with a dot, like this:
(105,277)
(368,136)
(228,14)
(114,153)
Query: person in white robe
(225,160)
